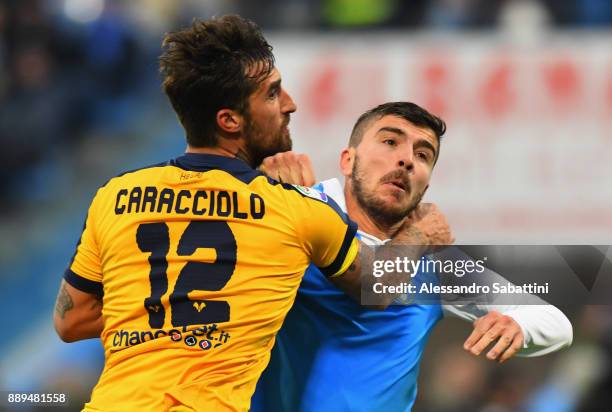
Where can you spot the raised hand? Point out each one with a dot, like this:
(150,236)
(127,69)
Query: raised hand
(289,167)
(426,225)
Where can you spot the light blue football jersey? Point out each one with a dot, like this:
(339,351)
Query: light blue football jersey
(331,354)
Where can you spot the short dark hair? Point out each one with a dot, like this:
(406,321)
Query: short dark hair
(411,112)
(212,65)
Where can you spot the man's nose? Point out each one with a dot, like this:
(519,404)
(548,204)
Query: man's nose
(287,103)
(406,160)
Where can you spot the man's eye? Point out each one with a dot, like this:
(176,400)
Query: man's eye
(274,93)
(389,142)
(423,155)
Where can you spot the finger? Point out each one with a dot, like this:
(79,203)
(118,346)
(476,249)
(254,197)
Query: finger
(295,168)
(517,344)
(307,171)
(265,165)
(290,168)
(270,167)
(473,338)
(283,173)
(276,169)
(487,338)
(481,325)
(503,343)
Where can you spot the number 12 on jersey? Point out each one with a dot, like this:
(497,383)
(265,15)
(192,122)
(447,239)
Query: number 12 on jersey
(154,238)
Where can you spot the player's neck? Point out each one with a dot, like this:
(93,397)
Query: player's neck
(225,148)
(365,222)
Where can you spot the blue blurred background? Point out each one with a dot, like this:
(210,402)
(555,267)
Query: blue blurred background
(525,85)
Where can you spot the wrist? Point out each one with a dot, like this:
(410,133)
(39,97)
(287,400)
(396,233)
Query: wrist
(411,236)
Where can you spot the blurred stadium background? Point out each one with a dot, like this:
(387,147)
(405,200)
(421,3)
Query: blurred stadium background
(524,85)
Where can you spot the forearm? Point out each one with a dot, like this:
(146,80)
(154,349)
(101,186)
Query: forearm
(358,281)
(80,329)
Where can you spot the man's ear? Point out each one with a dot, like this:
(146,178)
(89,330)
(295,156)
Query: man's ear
(347,159)
(230,121)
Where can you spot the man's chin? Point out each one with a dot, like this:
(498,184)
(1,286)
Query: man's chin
(392,206)
(284,144)
(287,143)
(399,211)
(394,198)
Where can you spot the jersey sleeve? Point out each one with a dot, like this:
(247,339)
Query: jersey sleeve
(85,270)
(327,234)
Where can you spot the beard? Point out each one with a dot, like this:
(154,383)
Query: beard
(261,144)
(379,210)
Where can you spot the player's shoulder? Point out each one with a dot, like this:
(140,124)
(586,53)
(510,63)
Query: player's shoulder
(313,203)
(289,195)
(134,174)
(318,192)
(297,191)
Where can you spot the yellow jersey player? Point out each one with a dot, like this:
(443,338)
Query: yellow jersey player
(186,269)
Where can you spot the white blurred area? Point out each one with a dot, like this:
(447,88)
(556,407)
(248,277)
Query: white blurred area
(83,11)
(527,152)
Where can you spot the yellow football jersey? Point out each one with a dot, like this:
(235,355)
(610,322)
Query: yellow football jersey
(199,260)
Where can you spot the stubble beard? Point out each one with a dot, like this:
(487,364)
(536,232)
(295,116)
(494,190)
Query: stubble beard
(261,145)
(379,210)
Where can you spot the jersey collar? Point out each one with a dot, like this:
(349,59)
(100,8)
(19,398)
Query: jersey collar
(201,162)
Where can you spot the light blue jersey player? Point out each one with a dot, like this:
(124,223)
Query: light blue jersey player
(331,353)
(336,356)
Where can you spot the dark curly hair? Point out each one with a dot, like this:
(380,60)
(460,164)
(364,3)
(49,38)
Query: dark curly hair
(212,65)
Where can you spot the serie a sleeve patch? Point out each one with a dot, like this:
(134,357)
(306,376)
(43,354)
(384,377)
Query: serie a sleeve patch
(312,193)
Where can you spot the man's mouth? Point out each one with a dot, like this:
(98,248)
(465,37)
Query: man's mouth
(398,180)
(397,183)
